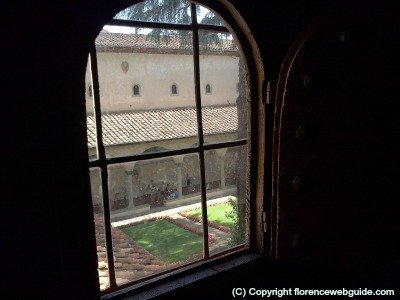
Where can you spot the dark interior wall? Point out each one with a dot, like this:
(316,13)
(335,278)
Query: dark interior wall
(47,231)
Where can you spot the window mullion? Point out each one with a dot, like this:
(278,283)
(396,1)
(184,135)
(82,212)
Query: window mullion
(196,57)
(103,165)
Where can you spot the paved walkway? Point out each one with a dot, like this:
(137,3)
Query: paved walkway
(168,212)
(220,239)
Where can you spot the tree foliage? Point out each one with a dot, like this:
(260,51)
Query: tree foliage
(160,11)
(175,12)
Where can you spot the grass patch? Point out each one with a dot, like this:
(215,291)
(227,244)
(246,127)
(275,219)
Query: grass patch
(166,241)
(217,213)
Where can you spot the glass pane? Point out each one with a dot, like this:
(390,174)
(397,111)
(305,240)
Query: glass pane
(223,88)
(97,201)
(149,230)
(206,16)
(159,11)
(90,119)
(163,115)
(226,198)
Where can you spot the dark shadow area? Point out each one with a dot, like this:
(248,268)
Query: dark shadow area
(47,246)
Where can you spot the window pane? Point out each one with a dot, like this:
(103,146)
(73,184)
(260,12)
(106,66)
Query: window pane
(159,11)
(150,233)
(97,201)
(90,119)
(224,110)
(157,120)
(226,197)
(206,16)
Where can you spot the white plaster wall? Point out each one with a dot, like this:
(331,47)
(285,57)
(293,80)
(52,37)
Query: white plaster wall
(155,73)
(222,72)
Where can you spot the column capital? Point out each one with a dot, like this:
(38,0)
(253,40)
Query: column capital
(131,172)
(178,159)
(221,152)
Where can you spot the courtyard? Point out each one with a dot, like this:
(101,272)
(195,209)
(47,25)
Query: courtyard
(164,240)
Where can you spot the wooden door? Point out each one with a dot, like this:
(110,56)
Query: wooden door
(335,178)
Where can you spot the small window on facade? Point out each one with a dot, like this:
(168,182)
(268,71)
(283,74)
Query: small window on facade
(208,88)
(90,90)
(174,89)
(136,90)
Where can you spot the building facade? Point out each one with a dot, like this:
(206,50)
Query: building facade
(147,98)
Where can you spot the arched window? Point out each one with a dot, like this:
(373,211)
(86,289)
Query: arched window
(208,88)
(174,89)
(195,181)
(136,90)
(90,90)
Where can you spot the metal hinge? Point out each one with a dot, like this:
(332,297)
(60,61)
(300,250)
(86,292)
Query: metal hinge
(265,218)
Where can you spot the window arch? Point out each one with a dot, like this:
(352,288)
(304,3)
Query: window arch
(215,128)
(174,89)
(136,90)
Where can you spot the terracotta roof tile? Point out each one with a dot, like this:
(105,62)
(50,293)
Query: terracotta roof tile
(144,126)
(131,261)
(111,41)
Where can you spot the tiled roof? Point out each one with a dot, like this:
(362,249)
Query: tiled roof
(131,261)
(137,42)
(153,125)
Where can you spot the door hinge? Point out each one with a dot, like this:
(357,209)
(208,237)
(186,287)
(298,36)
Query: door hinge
(265,218)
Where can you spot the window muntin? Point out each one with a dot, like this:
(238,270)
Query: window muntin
(195,166)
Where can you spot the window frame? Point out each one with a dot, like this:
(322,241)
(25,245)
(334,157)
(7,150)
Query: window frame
(252,58)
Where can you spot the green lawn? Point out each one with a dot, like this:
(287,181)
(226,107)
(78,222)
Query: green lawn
(217,213)
(168,242)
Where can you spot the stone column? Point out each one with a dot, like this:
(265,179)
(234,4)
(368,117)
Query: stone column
(129,171)
(178,161)
(221,155)
(101,196)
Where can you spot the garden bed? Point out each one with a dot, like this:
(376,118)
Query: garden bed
(168,242)
(219,216)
